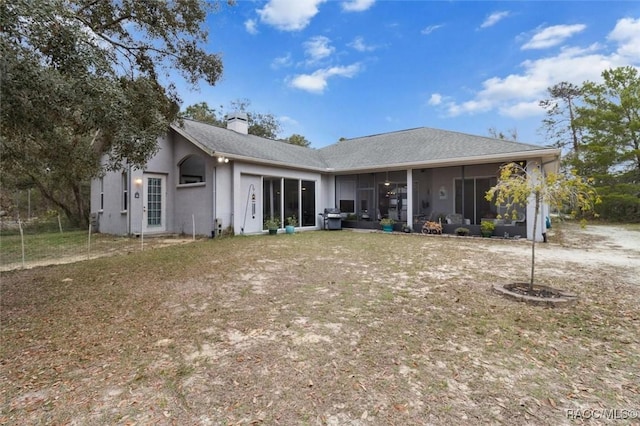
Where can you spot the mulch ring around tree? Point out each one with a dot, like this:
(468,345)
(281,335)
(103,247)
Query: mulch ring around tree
(539,295)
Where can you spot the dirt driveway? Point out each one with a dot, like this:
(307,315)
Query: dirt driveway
(607,245)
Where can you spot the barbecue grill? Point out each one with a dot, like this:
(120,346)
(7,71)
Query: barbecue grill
(332,219)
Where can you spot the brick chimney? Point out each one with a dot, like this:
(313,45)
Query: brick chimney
(238,122)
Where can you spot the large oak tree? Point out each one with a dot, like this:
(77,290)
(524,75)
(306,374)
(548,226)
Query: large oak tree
(85,78)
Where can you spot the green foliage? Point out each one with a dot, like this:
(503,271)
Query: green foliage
(559,122)
(292,221)
(610,119)
(81,80)
(296,139)
(203,113)
(387,221)
(620,202)
(462,231)
(260,124)
(272,223)
(598,125)
(518,183)
(487,226)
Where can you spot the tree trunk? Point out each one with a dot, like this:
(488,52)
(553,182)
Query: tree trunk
(533,243)
(81,217)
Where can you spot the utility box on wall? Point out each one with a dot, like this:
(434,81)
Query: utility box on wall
(218,227)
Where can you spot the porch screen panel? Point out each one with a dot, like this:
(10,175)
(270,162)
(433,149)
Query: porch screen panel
(154,202)
(475,205)
(484,208)
(291,200)
(308,203)
(469,198)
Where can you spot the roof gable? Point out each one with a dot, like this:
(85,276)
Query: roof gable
(218,140)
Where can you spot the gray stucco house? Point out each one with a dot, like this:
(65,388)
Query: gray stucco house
(206,179)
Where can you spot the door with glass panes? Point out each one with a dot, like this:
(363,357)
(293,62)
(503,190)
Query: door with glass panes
(154,210)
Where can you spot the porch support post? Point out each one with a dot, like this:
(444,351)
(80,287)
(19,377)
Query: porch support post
(462,200)
(531,206)
(410,198)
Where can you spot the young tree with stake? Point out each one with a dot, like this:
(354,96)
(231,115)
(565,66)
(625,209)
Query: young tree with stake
(518,184)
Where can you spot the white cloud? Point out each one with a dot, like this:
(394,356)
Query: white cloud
(627,34)
(357,5)
(289,15)
(359,45)
(251,26)
(521,109)
(517,95)
(494,18)
(435,99)
(282,62)
(552,36)
(317,48)
(317,81)
(288,121)
(431,28)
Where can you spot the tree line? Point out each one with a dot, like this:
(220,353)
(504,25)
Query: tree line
(265,125)
(597,125)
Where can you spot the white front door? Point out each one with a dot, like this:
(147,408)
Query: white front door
(154,203)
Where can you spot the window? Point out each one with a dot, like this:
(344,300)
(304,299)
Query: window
(271,198)
(347,206)
(308,203)
(299,200)
(125,191)
(192,170)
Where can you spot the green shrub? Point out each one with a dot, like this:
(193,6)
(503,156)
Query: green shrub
(620,203)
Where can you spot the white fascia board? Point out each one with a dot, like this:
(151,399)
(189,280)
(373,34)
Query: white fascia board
(188,137)
(235,157)
(552,154)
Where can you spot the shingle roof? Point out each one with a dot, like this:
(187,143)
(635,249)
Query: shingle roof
(377,151)
(230,143)
(416,145)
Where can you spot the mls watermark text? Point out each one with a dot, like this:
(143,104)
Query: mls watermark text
(603,413)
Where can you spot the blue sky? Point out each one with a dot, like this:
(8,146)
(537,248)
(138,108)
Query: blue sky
(329,69)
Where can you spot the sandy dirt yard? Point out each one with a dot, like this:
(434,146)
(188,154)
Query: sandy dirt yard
(593,245)
(327,328)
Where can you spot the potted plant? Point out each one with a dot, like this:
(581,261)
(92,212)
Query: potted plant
(462,231)
(272,224)
(486,228)
(292,222)
(387,224)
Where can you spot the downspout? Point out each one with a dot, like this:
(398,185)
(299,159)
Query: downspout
(213,201)
(129,192)
(232,216)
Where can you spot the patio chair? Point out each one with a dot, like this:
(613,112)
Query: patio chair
(453,219)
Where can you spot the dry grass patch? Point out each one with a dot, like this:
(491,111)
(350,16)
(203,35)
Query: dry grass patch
(315,328)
